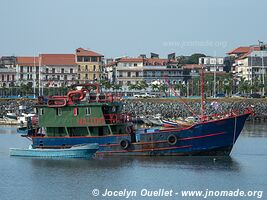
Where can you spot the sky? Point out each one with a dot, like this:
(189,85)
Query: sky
(130,27)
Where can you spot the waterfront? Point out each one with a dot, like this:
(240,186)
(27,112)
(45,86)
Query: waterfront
(35,178)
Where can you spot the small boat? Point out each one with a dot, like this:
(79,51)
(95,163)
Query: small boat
(155,121)
(76,151)
(24,118)
(169,123)
(145,120)
(10,116)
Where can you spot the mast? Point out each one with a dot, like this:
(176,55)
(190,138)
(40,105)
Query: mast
(202,93)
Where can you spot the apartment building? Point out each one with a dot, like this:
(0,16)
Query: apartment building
(90,65)
(58,70)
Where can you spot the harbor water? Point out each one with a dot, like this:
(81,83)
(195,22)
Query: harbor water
(100,178)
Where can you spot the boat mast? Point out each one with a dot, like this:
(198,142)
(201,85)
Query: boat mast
(202,94)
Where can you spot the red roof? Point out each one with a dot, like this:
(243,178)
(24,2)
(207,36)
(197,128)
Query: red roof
(131,60)
(192,66)
(156,61)
(244,49)
(58,59)
(111,64)
(85,52)
(28,61)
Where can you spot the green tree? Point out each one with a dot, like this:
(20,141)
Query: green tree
(193,59)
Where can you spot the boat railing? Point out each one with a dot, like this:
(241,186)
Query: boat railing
(117,118)
(231,113)
(103,98)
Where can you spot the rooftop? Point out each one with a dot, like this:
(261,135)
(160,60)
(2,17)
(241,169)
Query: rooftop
(244,49)
(85,52)
(131,60)
(57,59)
(28,61)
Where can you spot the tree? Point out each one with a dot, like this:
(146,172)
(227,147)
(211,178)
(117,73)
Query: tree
(155,87)
(142,85)
(193,59)
(243,85)
(132,86)
(163,88)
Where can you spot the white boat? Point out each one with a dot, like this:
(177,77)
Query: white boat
(169,123)
(10,117)
(76,151)
(24,118)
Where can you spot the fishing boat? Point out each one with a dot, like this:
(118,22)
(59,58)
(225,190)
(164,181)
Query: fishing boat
(85,115)
(76,151)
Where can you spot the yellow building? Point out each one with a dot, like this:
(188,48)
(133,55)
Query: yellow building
(90,65)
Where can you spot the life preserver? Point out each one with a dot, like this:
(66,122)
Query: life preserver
(172,139)
(125,144)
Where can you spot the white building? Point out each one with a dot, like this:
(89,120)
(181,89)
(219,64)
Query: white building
(252,65)
(129,71)
(58,70)
(27,70)
(212,63)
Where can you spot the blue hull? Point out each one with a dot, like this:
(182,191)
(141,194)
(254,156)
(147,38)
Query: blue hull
(206,138)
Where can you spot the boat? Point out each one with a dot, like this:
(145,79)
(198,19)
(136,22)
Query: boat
(85,115)
(24,118)
(169,123)
(155,120)
(76,151)
(10,117)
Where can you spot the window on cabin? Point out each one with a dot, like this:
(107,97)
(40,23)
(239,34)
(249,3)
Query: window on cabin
(41,111)
(59,111)
(88,111)
(75,111)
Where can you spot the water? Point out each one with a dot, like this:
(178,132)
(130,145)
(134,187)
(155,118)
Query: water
(42,179)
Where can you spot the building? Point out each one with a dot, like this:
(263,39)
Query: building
(133,70)
(58,70)
(90,65)
(7,77)
(8,62)
(212,64)
(110,70)
(240,51)
(129,71)
(27,70)
(252,65)
(160,70)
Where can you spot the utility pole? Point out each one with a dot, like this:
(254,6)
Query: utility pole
(214,81)
(39,74)
(251,69)
(262,67)
(34,82)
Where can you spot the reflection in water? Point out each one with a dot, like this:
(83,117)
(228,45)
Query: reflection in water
(5,129)
(255,129)
(193,163)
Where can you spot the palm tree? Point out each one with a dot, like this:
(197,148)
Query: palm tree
(143,85)
(131,86)
(243,85)
(155,87)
